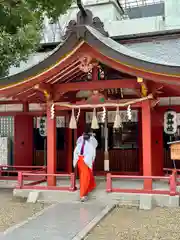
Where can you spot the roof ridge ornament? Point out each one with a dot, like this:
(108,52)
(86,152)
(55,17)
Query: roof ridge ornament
(84,17)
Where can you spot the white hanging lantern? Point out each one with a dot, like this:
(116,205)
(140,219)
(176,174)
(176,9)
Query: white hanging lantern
(170,122)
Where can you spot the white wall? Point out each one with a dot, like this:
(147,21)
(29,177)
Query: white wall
(106,10)
(135,26)
(109,12)
(172,13)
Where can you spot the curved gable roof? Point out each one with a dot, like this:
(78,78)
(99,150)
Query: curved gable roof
(59,55)
(132,59)
(110,52)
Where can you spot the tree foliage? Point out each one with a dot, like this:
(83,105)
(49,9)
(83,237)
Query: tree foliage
(21,24)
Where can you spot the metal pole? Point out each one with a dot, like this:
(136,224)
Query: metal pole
(174,163)
(106,135)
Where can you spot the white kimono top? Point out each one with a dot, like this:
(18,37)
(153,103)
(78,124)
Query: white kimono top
(89,151)
(92,140)
(89,154)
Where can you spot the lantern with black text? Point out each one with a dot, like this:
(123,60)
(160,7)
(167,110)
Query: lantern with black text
(42,127)
(170,122)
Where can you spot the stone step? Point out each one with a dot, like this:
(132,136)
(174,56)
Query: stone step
(128,204)
(120,199)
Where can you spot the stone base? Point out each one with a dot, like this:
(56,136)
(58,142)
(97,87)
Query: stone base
(145,202)
(33,197)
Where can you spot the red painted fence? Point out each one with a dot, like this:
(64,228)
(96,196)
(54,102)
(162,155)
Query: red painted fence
(9,172)
(171,179)
(34,185)
(174,171)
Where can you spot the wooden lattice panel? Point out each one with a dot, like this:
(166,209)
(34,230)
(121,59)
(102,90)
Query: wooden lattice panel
(4,151)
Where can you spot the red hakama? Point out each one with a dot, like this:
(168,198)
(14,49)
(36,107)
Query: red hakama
(87,180)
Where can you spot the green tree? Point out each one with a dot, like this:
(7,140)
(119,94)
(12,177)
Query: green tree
(21,24)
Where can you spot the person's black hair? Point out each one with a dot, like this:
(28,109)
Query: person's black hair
(87,129)
(86,136)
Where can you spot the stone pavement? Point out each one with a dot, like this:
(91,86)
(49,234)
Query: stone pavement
(63,221)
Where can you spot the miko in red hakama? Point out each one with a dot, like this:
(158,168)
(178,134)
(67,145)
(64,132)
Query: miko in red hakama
(87,180)
(84,155)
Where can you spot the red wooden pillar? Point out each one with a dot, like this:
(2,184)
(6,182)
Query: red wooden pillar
(69,150)
(146,143)
(140,142)
(157,142)
(51,147)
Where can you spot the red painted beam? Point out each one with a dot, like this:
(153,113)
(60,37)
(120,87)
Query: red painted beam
(95,85)
(10,102)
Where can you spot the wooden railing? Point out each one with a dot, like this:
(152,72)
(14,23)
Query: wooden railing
(10,172)
(170,179)
(35,185)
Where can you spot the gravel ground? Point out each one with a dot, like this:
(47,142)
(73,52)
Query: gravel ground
(14,210)
(134,224)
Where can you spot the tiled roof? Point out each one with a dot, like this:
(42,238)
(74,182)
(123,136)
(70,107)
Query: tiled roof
(156,51)
(143,53)
(161,50)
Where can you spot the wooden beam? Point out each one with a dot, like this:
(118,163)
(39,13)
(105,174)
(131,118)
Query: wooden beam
(96,85)
(10,102)
(172,90)
(71,66)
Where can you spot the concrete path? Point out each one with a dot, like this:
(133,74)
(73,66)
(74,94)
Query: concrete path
(62,221)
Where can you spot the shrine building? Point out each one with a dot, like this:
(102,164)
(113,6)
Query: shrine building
(118,78)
